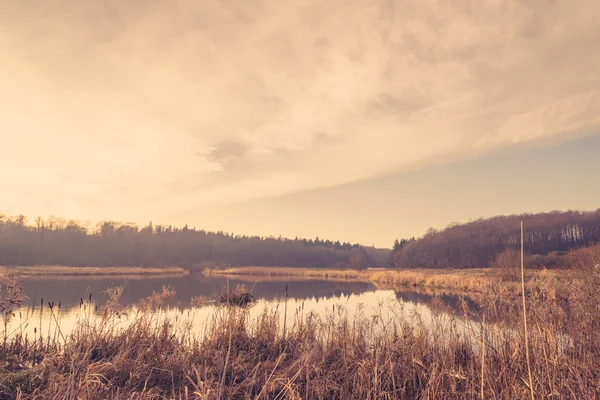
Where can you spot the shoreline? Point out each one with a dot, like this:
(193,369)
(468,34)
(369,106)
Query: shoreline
(479,280)
(297,272)
(59,270)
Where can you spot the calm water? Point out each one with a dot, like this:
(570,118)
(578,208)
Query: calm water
(321,297)
(70,290)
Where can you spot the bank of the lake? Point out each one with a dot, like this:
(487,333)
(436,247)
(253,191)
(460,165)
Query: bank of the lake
(480,280)
(377,344)
(309,273)
(61,270)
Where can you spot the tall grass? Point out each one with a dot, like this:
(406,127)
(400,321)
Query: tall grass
(155,356)
(474,280)
(480,280)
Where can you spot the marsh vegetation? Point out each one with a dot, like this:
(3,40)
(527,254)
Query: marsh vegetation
(149,352)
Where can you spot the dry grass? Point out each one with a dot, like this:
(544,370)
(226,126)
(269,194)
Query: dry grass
(55,270)
(238,296)
(333,357)
(472,280)
(318,358)
(480,280)
(476,280)
(308,273)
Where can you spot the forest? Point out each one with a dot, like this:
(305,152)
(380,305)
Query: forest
(57,241)
(477,244)
(548,237)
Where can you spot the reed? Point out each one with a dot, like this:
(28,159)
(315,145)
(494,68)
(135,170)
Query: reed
(526,332)
(238,356)
(478,280)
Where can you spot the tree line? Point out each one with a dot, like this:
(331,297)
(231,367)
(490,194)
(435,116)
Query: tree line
(56,241)
(478,243)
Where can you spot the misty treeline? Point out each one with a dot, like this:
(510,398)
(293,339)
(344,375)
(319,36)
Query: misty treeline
(56,241)
(477,244)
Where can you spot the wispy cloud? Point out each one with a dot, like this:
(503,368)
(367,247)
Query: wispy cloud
(131,108)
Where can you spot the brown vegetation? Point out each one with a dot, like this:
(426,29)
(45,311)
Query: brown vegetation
(318,358)
(503,276)
(51,270)
(239,296)
(308,273)
(154,356)
(472,280)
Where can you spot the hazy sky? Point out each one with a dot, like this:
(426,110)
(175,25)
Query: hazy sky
(358,120)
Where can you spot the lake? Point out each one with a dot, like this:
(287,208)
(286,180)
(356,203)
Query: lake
(80,297)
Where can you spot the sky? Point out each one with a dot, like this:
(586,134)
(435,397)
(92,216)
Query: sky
(357,120)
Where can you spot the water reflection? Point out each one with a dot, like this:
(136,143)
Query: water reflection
(70,290)
(455,303)
(324,299)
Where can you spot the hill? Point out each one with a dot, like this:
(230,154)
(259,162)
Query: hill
(478,243)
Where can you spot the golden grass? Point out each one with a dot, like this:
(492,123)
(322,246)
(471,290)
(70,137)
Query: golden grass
(59,270)
(309,273)
(479,280)
(333,357)
(329,357)
(476,280)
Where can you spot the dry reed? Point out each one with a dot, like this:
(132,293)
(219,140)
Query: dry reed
(333,357)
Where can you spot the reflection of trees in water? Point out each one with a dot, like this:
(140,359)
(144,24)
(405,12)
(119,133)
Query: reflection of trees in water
(472,306)
(449,302)
(70,291)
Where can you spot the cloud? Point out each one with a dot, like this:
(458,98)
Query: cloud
(139,107)
(227,151)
